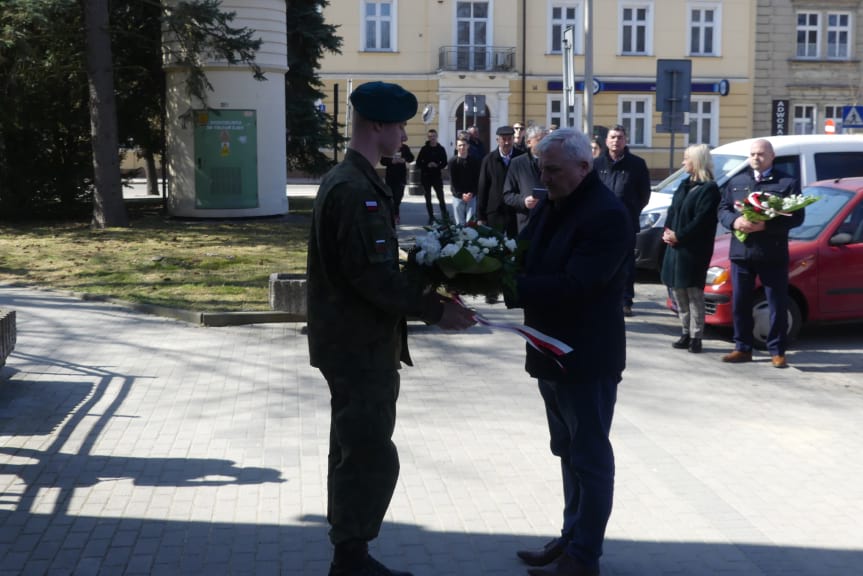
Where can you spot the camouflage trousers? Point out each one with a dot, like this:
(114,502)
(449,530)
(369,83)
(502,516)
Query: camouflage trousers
(363,463)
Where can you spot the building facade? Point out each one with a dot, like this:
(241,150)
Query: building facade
(504,57)
(808,66)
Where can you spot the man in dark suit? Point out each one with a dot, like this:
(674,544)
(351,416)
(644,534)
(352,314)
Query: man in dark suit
(580,240)
(628,177)
(764,254)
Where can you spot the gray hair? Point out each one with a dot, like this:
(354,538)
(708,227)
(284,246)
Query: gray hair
(535,130)
(574,144)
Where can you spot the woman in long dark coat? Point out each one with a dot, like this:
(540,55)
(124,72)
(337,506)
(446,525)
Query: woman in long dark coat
(689,233)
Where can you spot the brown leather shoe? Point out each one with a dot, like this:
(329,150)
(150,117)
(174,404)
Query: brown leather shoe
(545,555)
(737,357)
(779,361)
(566,566)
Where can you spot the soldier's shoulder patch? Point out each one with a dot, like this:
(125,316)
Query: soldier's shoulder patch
(372,206)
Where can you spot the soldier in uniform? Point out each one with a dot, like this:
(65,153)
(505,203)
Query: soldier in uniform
(357,304)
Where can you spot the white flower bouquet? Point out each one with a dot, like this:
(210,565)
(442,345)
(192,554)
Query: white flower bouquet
(763,206)
(466,259)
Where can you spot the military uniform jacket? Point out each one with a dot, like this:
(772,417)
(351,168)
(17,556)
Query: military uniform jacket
(771,244)
(357,298)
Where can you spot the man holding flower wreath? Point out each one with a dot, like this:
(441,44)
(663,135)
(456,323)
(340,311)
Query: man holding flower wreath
(763,253)
(357,303)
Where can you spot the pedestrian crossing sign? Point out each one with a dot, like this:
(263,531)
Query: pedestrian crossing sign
(852,116)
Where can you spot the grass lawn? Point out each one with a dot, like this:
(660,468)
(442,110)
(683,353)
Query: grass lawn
(204,265)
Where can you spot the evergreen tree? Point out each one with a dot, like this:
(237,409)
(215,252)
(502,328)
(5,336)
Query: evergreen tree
(308,129)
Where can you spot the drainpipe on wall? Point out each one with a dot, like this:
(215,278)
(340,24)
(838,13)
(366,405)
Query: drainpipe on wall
(523,118)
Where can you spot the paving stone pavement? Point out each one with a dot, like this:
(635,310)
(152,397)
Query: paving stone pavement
(134,444)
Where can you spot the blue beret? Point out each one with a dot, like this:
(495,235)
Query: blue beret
(384,102)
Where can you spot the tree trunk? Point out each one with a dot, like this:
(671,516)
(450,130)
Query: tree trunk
(152,174)
(108,207)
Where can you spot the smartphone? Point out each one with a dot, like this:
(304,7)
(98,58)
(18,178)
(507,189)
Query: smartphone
(539,192)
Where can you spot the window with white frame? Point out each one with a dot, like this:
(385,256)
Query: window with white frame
(804,119)
(808,29)
(704,120)
(554,109)
(838,35)
(635,115)
(563,14)
(636,28)
(704,29)
(379,25)
(834,113)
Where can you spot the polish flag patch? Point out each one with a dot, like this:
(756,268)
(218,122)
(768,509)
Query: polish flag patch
(371,205)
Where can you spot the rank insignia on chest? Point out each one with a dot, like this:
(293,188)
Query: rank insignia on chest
(380,246)
(371,205)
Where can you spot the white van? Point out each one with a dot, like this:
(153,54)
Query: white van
(807,158)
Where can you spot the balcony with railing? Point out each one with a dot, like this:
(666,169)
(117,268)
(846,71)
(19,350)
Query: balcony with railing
(476,58)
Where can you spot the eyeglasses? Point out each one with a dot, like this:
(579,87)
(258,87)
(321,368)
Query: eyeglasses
(518,127)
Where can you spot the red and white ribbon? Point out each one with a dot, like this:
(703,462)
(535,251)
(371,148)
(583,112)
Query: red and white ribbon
(551,347)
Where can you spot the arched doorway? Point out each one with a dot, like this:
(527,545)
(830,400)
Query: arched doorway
(482,122)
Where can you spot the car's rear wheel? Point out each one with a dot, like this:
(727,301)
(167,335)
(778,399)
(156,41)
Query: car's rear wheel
(761,317)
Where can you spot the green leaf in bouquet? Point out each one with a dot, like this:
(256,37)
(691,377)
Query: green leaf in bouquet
(463,262)
(455,264)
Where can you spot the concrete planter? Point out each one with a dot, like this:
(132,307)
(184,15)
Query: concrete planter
(288,293)
(8,334)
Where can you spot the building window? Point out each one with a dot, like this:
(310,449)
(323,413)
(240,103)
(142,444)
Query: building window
(833,113)
(804,119)
(555,111)
(838,35)
(704,121)
(563,15)
(379,26)
(808,26)
(636,29)
(634,114)
(704,30)
(473,30)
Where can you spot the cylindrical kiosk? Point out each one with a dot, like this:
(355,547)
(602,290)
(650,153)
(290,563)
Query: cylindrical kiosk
(226,159)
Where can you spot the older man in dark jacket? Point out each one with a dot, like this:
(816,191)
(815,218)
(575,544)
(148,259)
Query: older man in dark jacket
(490,206)
(580,239)
(764,254)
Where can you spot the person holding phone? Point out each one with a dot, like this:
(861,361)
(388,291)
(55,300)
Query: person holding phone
(522,179)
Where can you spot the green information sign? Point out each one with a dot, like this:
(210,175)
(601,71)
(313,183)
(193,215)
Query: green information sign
(226,159)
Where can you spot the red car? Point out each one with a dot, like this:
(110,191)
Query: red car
(825,268)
